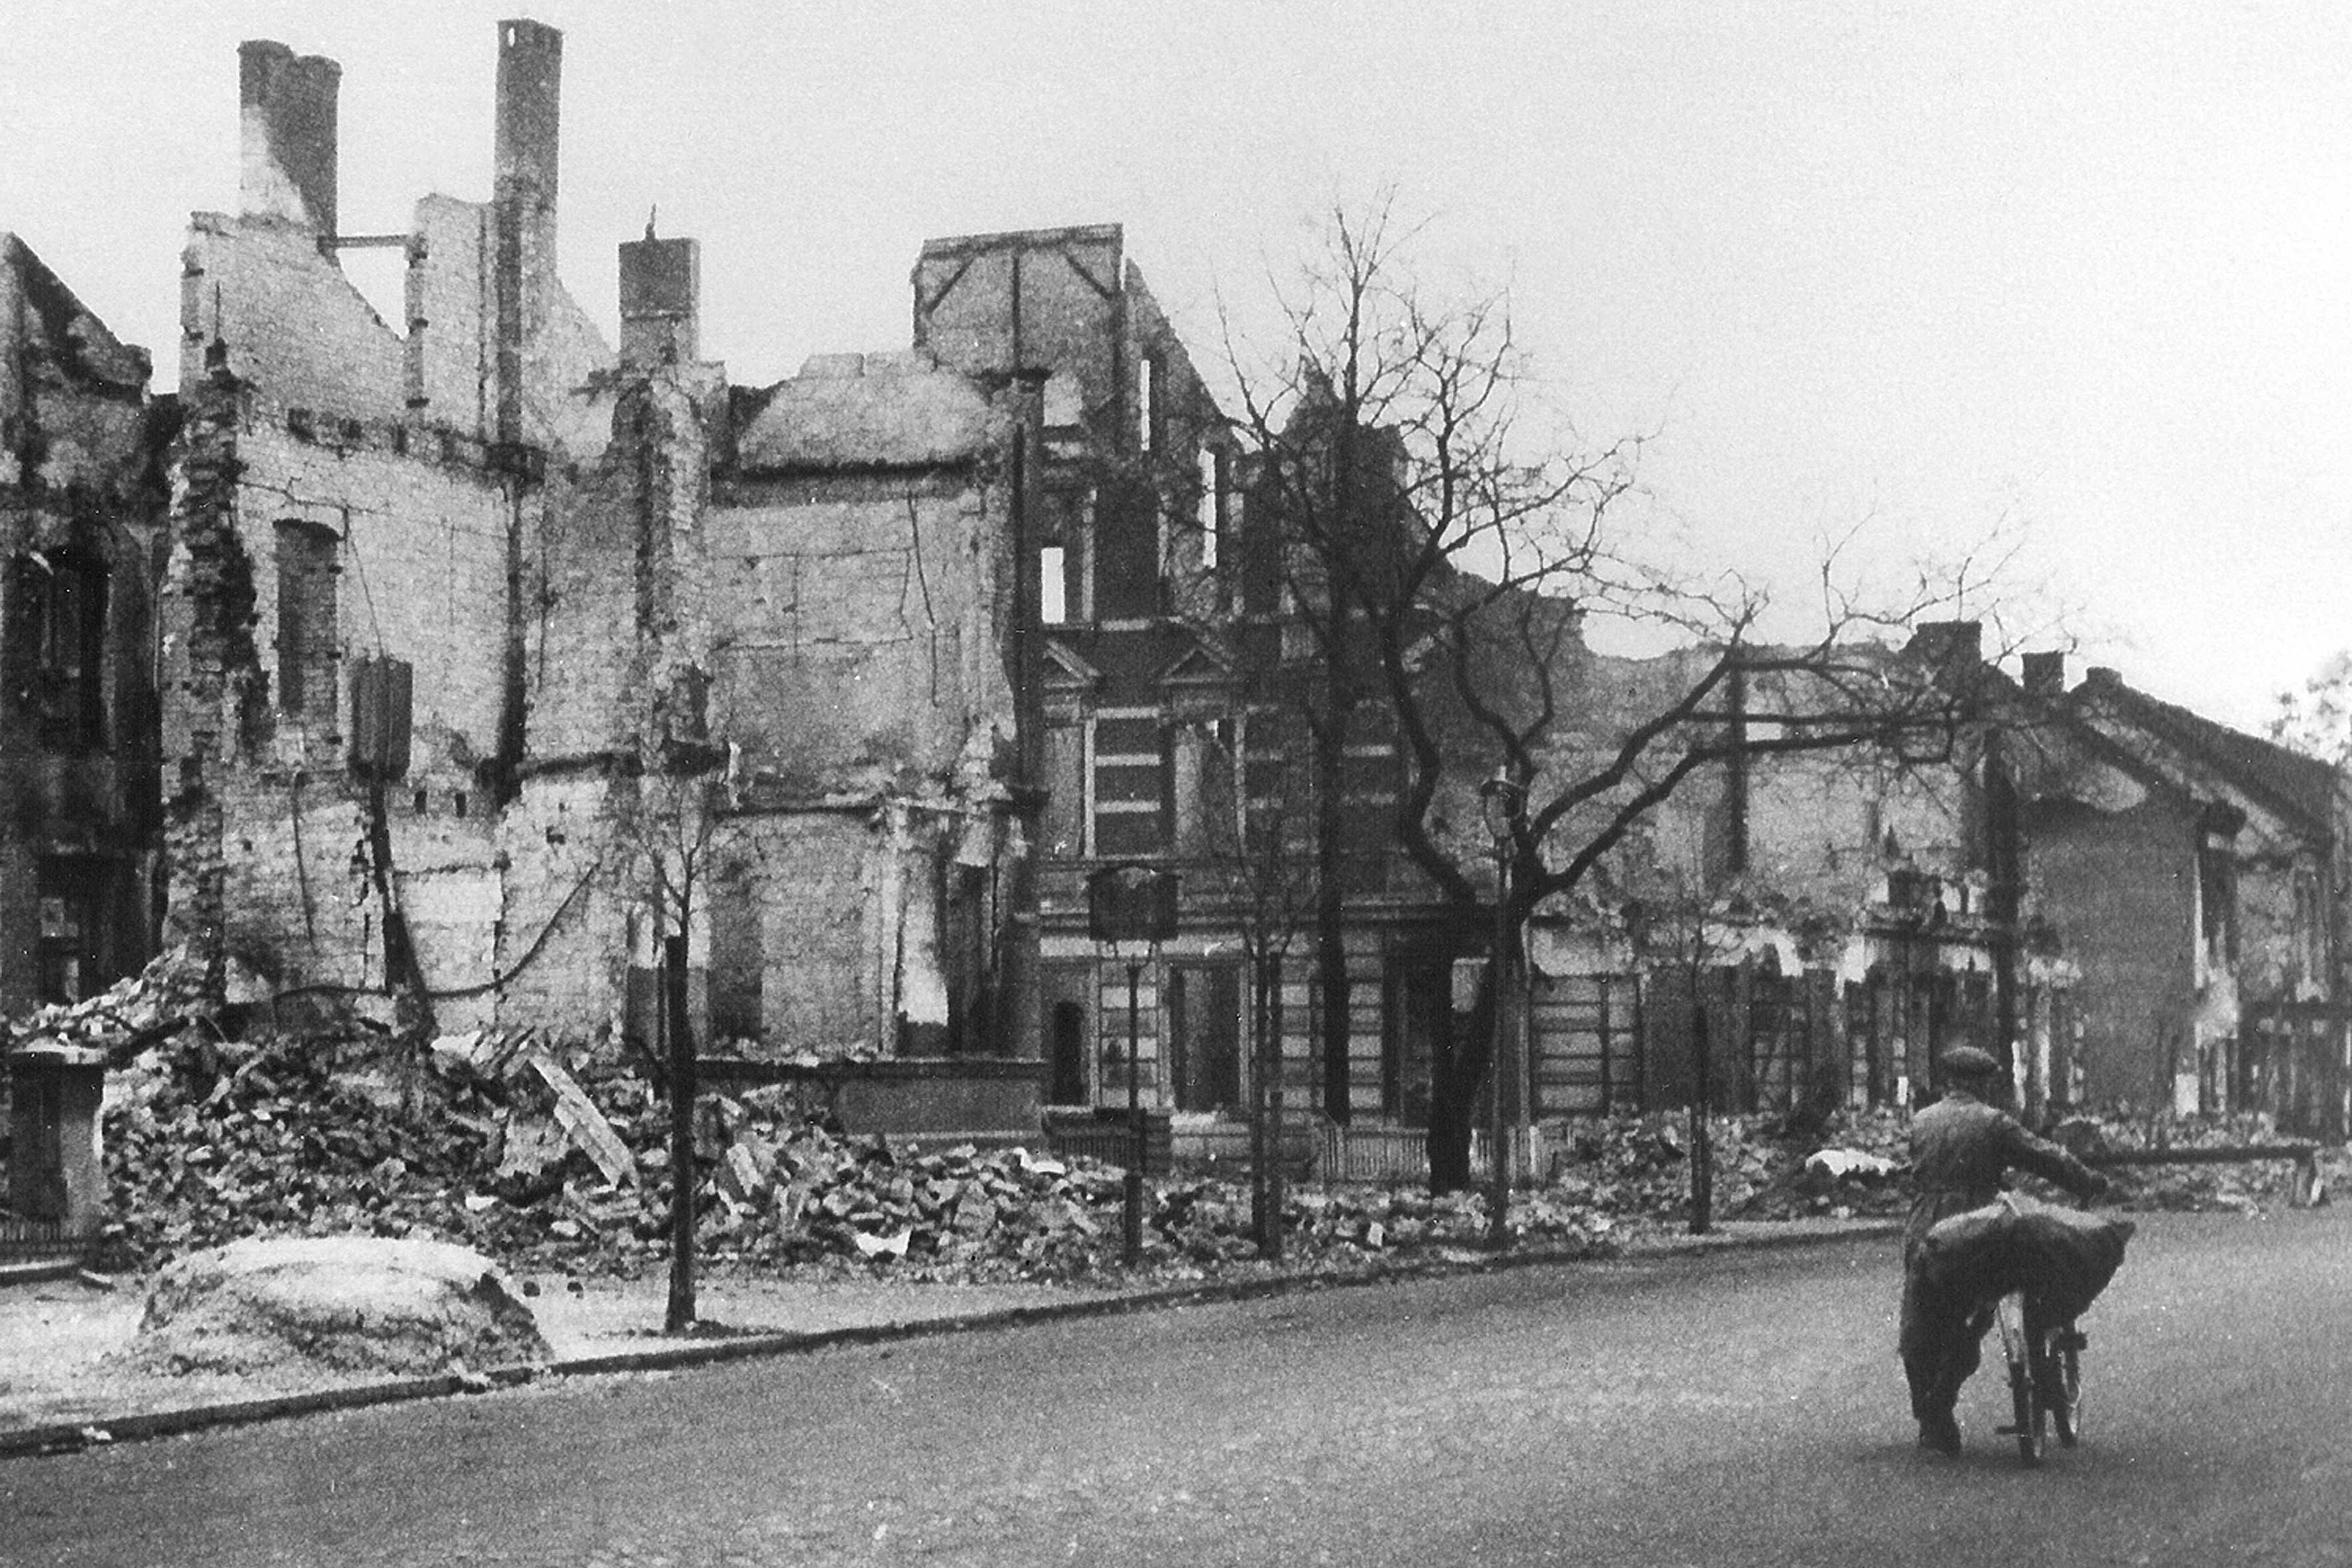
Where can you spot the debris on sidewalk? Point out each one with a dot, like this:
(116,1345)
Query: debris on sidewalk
(345,1304)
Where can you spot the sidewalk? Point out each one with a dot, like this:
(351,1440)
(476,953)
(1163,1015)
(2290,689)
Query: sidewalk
(62,1384)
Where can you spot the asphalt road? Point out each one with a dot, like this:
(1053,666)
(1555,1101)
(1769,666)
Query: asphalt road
(1740,1409)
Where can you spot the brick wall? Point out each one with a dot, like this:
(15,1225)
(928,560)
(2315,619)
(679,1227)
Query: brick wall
(294,326)
(2121,886)
(859,644)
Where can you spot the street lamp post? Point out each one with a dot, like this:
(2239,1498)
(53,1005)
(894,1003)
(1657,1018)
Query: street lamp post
(1131,1231)
(1500,802)
(1129,903)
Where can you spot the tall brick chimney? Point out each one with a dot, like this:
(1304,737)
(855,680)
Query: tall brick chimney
(529,113)
(661,299)
(286,165)
(529,94)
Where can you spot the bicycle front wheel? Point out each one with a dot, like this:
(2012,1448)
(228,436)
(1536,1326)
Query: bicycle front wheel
(2033,1427)
(2066,1358)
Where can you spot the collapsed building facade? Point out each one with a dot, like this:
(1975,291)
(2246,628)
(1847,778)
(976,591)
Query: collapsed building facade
(81,504)
(497,657)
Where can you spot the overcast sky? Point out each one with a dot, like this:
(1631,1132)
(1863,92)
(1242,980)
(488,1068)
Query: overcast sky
(2080,271)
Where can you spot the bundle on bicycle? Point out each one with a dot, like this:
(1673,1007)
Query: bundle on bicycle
(2033,1268)
(1968,1246)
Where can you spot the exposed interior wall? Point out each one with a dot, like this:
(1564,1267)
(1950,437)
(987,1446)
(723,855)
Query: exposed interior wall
(859,655)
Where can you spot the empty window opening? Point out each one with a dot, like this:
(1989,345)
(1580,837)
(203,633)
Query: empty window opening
(1147,406)
(1069,1048)
(1212,509)
(56,636)
(1064,405)
(71,903)
(306,620)
(1052,585)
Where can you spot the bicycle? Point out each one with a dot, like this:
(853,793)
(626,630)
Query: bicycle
(2046,1378)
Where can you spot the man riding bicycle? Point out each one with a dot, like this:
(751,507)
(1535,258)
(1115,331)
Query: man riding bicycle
(1962,1147)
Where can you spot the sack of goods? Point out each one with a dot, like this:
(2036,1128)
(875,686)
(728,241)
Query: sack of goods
(2061,1258)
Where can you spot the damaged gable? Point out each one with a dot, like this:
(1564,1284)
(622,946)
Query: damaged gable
(73,397)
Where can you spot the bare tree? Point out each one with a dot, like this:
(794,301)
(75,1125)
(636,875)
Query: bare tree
(1251,860)
(2317,720)
(676,827)
(1440,552)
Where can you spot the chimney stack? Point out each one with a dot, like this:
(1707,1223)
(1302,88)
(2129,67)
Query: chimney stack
(2045,674)
(522,204)
(530,106)
(1955,645)
(661,297)
(286,105)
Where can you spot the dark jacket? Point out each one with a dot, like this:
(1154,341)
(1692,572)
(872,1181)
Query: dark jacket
(1960,1150)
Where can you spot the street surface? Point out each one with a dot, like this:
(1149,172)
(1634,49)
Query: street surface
(1737,1408)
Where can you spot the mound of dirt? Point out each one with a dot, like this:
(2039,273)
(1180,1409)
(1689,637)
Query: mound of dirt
(348,1304)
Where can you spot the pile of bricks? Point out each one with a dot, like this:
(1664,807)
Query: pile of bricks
(550,1160)
(1639,1166)
(168,997)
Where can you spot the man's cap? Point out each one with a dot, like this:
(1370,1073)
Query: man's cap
(1967,1061)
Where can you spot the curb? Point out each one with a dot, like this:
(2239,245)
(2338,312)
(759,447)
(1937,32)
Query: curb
(41,1273)
(28,1442)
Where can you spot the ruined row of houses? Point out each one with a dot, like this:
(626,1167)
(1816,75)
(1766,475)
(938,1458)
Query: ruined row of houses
(470,658)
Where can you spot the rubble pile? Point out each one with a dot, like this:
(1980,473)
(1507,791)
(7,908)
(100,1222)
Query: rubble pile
(506,1144)
(159,1002)
(1856,1165)
(210,1141)
(2247,1187)
(346,1304)
(1640,1166)
(538,1155)
(1207,1222)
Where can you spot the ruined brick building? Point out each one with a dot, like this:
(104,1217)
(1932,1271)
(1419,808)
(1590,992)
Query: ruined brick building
(2147,907)
(81,502)
(2199,879)
(470,658)
(496,654)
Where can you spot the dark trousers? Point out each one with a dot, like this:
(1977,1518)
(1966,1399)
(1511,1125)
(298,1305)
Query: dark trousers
(1942,1344)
